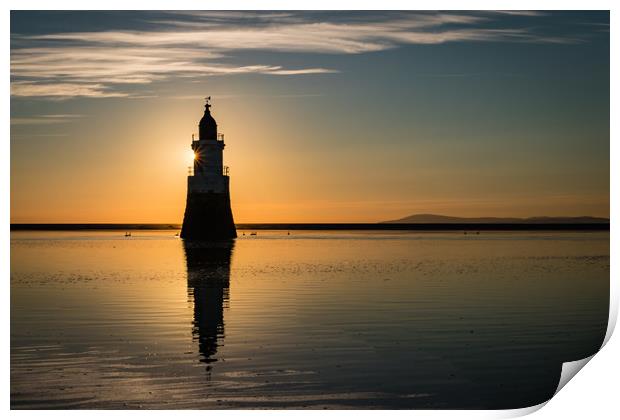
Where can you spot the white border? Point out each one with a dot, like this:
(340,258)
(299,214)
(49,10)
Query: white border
(592,394)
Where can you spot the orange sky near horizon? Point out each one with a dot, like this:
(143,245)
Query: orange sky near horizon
(274,178)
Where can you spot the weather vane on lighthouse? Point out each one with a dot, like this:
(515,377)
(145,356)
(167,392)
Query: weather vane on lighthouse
(207,212)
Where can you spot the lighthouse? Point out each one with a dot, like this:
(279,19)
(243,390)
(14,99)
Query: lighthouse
(207,211)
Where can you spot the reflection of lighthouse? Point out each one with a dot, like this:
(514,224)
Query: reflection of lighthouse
(207,212)
(208,279)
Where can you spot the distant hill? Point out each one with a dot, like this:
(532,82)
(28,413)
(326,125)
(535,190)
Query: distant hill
(435,218)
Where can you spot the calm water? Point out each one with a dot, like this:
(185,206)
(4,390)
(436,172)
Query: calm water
(310,319)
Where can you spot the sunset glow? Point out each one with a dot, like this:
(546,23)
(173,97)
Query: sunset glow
(328,117)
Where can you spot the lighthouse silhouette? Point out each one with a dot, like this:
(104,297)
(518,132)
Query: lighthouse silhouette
(207,211)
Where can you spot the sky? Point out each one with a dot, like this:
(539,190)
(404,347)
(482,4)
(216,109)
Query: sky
(327,116)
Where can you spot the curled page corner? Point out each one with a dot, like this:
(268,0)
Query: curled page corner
(570,369)
(613,314)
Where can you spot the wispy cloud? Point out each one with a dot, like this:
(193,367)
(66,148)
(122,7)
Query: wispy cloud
(105,64)
(199,44)
(521,12)
(317,37)
(63,90)
(45,119)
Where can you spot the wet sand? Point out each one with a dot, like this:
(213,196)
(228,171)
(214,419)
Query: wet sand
(313,319)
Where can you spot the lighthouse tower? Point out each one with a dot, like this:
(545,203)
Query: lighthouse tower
(207,212)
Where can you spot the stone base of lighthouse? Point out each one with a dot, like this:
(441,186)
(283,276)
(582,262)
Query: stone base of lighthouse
(208,216)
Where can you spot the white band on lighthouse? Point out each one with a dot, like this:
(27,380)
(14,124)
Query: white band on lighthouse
(209,175)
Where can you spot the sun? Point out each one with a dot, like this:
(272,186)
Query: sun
(190,156)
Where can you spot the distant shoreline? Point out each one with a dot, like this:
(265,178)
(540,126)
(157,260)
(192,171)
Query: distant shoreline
(326,226)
